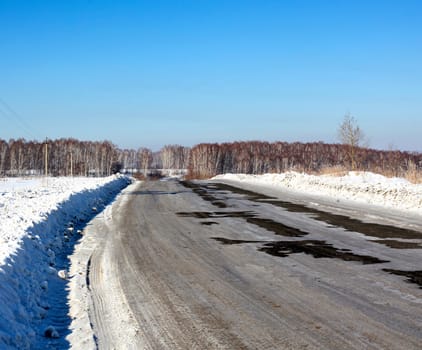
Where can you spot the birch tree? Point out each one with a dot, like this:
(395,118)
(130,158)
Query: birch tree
(350,134)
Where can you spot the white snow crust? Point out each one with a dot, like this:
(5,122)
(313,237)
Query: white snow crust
(361,187)
(37,217)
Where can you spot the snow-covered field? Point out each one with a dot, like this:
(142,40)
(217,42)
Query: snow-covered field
(40,219)
(361,187)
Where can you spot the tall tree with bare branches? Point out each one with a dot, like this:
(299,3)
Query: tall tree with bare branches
(350,134)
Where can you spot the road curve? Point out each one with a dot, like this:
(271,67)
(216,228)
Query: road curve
(160,278)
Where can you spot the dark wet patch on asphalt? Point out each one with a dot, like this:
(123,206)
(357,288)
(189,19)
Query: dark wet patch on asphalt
(203,192)
(209,223)
(268,224)
(216,214)
(349,224)
(318,249)
(412,276)
(398,244)
(276,227)
(250,194)
(228,241)
(219,204)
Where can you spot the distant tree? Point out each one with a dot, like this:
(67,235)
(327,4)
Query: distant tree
(4,148)
(350,134)
(144,159)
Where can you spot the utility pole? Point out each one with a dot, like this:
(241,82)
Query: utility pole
(46,157)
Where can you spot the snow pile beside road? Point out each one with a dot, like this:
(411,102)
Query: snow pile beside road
(38,218)
(362,187)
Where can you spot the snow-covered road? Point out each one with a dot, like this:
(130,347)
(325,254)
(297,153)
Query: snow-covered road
(210,266)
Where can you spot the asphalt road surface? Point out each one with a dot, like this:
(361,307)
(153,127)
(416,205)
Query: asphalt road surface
(203,266)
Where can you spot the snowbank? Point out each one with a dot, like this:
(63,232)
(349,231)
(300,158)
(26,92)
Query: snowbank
(40,219)
(361,187)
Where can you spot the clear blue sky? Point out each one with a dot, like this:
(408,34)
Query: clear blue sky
(149,73)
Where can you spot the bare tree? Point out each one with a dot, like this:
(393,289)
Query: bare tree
(144,159)
(351,135)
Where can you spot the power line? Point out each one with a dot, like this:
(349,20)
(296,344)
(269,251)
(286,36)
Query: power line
(12,115)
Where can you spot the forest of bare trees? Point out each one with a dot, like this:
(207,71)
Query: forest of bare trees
(255,157)
(64,157)
(67,157)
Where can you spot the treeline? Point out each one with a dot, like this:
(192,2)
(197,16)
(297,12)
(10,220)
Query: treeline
(69,156)
(209,159)
(86,158)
